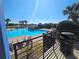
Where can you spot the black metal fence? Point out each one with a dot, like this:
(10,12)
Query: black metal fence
(41,47)
(34,48)
(28,49)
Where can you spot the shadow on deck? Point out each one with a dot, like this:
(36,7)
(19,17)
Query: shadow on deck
(55,53)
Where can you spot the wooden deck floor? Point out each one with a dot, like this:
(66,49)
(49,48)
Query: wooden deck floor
(57,54)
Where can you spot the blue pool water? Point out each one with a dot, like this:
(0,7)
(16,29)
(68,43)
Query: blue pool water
(20,32)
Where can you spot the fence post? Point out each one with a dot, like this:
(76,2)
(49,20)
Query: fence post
(31,44)
(43,45)
(15,51)
(51,34)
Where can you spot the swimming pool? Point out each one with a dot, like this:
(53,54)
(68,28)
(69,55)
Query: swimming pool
(28,32)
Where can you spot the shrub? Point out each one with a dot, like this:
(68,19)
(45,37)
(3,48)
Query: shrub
(67,26)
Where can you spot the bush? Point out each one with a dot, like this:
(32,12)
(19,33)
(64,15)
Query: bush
(67,26)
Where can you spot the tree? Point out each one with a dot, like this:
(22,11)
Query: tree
(7,21)
(67,26)
(72,12)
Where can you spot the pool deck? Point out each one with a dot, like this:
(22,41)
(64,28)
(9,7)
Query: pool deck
(47,29)
(17,39)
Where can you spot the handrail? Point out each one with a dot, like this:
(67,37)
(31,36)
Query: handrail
(45,47)
(33,44)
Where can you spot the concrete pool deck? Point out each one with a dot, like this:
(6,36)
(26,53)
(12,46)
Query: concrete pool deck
(21,38)
(47,29)
(16,39)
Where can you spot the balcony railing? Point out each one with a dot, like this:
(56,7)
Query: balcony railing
(41,47)
(35,47)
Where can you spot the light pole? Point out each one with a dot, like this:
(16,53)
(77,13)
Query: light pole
(4,48)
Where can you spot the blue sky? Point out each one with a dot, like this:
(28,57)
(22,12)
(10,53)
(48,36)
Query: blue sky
(36,11)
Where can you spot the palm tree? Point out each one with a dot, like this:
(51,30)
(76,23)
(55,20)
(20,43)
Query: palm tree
(72,12)
(7,21)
